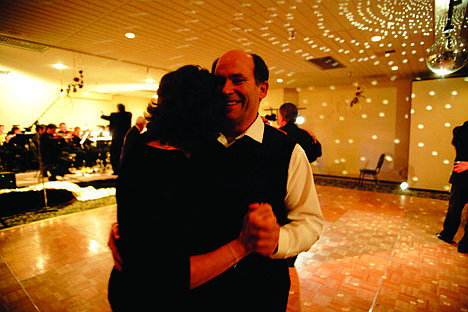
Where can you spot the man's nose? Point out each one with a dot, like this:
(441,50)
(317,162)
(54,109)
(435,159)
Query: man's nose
(228,87)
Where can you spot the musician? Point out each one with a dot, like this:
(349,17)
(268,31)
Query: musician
(75,147)
(2,135)
(2,148)
(12,133)
(120,122)
(16,150)
(51,152)
(63,131)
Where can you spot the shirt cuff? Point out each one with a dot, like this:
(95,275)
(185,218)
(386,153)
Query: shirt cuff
(283,243)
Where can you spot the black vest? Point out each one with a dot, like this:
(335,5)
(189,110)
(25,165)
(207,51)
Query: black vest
(228,180)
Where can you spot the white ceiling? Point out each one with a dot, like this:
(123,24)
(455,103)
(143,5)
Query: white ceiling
(89,35)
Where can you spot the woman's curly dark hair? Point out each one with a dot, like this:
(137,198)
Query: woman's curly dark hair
(190,108)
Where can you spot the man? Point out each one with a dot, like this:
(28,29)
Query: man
(287,121)
(250,163)
(63,130)
(459,191)
(132,135)
(51,153)
(120,122)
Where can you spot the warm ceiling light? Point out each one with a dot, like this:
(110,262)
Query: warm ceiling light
(279,80)
(149,80)
(59,66)
(376,38)
(394,67)
(130,35)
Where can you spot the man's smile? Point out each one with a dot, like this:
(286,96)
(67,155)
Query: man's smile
(232,103)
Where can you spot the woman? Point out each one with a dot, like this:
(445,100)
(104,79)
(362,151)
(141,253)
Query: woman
(153,197)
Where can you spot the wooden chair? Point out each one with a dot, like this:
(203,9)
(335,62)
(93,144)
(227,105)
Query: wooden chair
(374,172)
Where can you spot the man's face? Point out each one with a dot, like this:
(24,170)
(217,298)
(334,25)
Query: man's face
(242,93)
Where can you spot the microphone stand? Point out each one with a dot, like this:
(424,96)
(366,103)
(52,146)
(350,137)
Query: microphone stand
(39,155)
(47,109)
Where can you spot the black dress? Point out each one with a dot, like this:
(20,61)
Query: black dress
(152,190)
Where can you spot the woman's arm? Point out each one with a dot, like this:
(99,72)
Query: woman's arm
(259,233)
(207,266)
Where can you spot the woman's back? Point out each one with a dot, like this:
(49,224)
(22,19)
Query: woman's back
(151,190)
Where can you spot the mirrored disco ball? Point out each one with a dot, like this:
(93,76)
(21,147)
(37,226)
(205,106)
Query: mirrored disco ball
(447,55)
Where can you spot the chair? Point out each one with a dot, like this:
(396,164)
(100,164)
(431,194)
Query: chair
(374,172)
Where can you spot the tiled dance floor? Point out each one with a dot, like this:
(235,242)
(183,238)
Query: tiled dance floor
(378,252)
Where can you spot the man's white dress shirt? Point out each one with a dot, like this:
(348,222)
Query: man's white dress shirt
(301,201)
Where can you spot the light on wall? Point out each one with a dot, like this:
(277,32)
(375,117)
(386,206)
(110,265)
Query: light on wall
(404,186)
(450,52)
(300,120)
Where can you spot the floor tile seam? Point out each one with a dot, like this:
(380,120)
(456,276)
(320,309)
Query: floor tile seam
(61,266)
(68,266)
(342,218)
(77,228)
(389,262)
(20,284)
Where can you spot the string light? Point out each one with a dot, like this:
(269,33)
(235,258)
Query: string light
(81,194)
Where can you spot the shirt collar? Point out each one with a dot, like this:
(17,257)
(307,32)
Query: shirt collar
(255,131)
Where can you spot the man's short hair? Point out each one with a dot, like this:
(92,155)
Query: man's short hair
(289,112)
(121,107)
(261,72)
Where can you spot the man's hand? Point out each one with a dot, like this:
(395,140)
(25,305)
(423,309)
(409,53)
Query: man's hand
(314,138)
(460,166)
(112,243)
(260,229)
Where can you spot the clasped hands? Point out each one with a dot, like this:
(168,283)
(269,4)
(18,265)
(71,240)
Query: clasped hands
(260,230)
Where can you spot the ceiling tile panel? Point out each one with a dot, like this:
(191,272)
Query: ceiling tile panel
(285,32)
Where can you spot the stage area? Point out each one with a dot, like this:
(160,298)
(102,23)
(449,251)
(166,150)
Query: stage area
(82,190)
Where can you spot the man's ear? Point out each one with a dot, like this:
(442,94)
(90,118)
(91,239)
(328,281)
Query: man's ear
(263,90)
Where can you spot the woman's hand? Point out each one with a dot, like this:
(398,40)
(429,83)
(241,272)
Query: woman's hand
(460,166)
(260,230)
(112,243)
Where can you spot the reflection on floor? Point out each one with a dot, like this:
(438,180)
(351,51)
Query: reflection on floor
(378,252)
